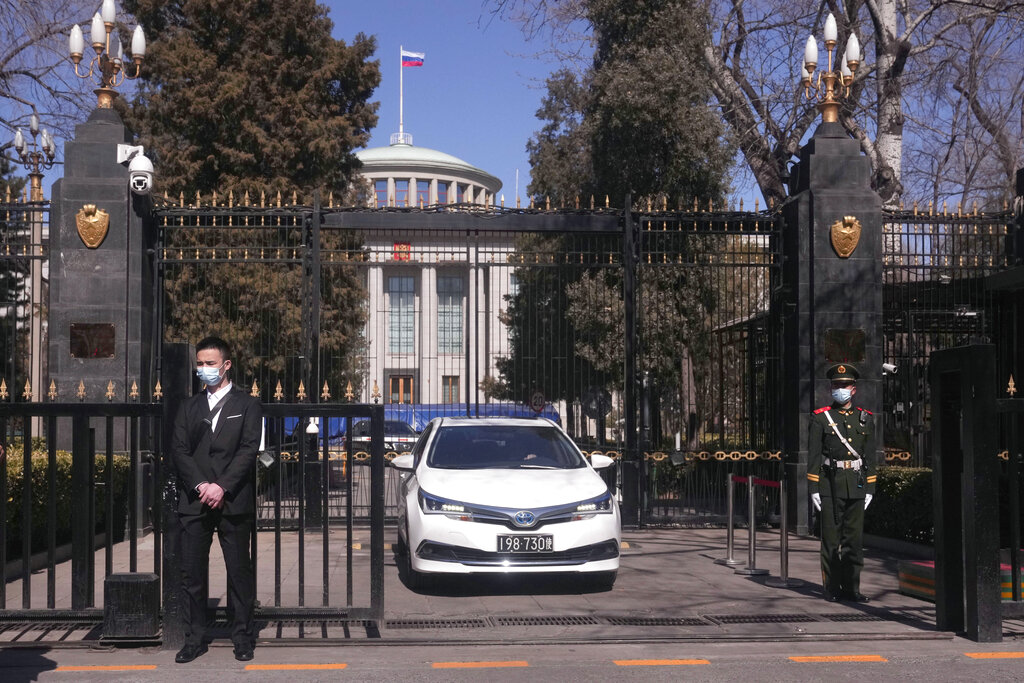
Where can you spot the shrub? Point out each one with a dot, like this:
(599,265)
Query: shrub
(40,497)
(902,506)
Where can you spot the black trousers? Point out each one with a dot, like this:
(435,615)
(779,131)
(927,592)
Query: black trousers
(842,544)
(234,532)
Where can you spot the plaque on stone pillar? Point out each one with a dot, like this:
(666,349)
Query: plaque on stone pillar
(844,346)
(92,340)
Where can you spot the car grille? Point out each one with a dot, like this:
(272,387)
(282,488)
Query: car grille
(441,552)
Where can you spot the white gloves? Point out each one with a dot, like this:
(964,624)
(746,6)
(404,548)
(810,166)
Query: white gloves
(867,500)
(816,501)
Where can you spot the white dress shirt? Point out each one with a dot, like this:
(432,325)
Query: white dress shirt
(213,397)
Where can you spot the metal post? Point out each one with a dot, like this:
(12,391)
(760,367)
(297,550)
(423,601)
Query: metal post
(729,560)
(783,580)
(631,457)
(751,568)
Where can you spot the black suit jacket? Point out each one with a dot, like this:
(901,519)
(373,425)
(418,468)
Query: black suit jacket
(226,456)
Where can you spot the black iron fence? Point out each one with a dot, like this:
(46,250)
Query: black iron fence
(23,292)
(483,311)
(936,295)
(62,497)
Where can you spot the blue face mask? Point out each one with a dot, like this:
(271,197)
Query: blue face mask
(209,376)
(842,396)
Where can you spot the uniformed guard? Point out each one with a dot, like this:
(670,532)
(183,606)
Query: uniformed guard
(841,480)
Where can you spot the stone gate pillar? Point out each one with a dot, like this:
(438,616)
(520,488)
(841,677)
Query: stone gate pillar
(101,279)
(832,277)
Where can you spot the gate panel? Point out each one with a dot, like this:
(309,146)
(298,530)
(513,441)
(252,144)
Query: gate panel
(69,504)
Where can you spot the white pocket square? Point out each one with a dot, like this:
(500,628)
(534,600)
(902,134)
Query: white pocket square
(231,417)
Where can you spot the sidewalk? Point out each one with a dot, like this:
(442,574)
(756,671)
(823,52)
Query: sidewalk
(668,588)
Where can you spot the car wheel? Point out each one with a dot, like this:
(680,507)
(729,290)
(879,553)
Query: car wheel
(414,580)
(603,581)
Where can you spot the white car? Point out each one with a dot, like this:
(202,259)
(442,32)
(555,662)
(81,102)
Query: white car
(504,495)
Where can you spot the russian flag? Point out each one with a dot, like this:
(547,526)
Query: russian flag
(412,58)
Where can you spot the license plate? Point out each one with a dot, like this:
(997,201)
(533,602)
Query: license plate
(536,543)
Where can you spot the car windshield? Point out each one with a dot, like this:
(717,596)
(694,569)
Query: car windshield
(361,429)
(474,447)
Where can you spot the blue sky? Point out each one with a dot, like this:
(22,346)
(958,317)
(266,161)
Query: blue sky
(478,91)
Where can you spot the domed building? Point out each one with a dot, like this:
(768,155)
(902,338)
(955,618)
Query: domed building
(404,175)
(434,297)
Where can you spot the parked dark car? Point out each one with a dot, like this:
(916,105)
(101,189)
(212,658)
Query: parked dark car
(399,437)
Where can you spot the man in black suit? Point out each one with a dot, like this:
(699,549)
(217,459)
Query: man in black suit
(216,441)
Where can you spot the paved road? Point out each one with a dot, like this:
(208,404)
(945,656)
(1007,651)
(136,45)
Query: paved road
(951,659)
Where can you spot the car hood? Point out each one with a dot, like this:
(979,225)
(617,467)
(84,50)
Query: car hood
(512,488)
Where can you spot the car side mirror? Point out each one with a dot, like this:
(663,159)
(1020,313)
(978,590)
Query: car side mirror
(403,463)
(600,462)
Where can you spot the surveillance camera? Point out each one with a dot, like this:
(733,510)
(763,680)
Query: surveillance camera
(888,369)
(140,175)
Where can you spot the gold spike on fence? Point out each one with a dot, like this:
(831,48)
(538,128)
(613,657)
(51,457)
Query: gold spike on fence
(158,391)
(278,392)
(52,393)
(301,395)
(349,395)
(27,393)
(255,390)
(110,391)
(325,394)
(3,390)
(134,393)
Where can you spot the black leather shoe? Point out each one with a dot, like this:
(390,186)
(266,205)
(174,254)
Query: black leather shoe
(243,653)
(858,597)
(829,597)
(189,652)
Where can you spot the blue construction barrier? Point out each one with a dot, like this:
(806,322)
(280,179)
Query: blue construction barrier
(417,415)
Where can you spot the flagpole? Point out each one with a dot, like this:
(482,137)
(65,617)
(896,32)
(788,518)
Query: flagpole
(401,95)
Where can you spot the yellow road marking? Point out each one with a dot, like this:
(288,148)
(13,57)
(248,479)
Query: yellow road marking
(660,662)
(478,665)
(294,667)
(125,667)
(840,658)
(995,655)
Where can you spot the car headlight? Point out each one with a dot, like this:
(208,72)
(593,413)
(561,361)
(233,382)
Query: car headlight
(588,508)
(435,505)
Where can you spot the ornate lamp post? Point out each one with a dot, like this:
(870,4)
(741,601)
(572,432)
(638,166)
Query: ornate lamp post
(109,62)
(831,84)
(35,157)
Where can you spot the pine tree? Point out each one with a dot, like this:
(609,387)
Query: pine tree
(255,97)
(13,273)
(251,96)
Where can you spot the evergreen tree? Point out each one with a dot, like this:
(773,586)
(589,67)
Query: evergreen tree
(249,97)
(13,273)
(638,120)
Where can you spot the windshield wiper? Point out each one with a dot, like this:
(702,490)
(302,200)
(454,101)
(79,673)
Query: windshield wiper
(538,467)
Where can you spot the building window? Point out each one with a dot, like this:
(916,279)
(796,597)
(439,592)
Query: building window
(460,191)
(442,193)
(400,389)
(513,285)
(401,320)
(449,313)
(380,189)
(422,192)
(450,389)
(401,193)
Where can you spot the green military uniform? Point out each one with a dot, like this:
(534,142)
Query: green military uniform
(842,474)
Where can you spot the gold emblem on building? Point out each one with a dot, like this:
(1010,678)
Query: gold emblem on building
(845,236)
(92,225)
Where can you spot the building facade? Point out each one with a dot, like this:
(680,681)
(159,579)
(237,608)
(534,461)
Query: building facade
(434,299)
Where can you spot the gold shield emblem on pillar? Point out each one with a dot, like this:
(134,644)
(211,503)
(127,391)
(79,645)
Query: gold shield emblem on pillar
(845,236)
(92,225)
